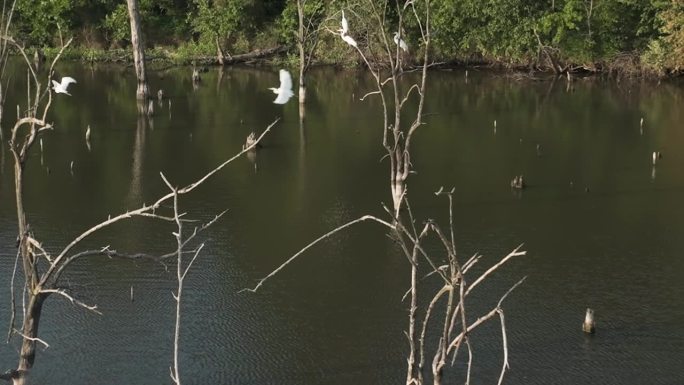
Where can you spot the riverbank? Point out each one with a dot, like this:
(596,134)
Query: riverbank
(624,65)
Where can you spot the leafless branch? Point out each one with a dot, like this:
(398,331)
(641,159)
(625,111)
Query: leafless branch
(73,300)
(36,339)
(369,94)
(505,346)
(310,245)
(514,253)
(483,318)
(194,257)
(13,310)
(60,263)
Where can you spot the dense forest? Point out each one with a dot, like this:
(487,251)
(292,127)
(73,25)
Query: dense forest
(589,35)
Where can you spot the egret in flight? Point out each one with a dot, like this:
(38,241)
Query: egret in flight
(61,88)
(400,42)
(284,92)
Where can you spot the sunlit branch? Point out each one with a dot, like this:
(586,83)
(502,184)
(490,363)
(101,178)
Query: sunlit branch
(514,253)
(36,339)
(145,210)
(73,300)
(310,245)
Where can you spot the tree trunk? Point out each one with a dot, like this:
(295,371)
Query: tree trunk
(138,49)
(219,52)
(413,374)
(35,304)
(302,54)
(30,330)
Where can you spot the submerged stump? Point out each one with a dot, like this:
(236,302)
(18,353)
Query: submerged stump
(589,325)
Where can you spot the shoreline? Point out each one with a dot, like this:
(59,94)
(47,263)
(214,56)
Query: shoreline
(278,56)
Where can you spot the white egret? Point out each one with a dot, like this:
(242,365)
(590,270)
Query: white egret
(87,137)
(349,40)
(61,88)
(344,32)
(345,25)
(400,42)
(284,92)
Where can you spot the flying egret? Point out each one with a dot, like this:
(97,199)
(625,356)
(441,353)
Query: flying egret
(400,42)
(61,88)
(345,25)
(284,92)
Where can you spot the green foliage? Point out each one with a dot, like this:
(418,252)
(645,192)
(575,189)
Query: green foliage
(117,24)
(218,19)
(579,31)
(498,29)
(315,12)
(668,50)
(163,22)
(38,21)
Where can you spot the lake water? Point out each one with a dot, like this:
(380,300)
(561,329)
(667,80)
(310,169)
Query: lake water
(602,227)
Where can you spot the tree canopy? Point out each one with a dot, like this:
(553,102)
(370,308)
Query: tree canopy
(587,33)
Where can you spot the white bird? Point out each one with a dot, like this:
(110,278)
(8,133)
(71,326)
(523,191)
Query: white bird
(400,42)
(87,136)
(284,92)
(345,25)
(349,40)
(61,88)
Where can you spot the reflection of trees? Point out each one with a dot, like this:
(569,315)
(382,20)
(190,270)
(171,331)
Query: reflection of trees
(135,189)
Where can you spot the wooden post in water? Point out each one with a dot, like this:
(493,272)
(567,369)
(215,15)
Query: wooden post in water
(589,325)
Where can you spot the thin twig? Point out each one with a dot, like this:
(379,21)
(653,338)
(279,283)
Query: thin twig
(73,300)
(36,339)
(310,245)
(505,346)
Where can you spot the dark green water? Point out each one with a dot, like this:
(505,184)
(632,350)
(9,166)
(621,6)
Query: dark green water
(336,316)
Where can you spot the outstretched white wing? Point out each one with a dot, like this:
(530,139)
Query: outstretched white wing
(285,81)
(55,85)
(67,80)
(283,97)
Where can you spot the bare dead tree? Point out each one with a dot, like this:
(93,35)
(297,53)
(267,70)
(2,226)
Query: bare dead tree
(385,63)
(43,269)
(138,50)
(397,134)
(310,14)
(182,270)
(384,60)
(454,328)
(5,22)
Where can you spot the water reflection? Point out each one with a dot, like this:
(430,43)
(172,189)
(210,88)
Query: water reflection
(321,166)
(135,192)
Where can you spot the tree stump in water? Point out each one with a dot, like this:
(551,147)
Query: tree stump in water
(589,325)
(249,142)
(518,183)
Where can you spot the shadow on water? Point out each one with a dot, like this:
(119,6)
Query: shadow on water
(601,224)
